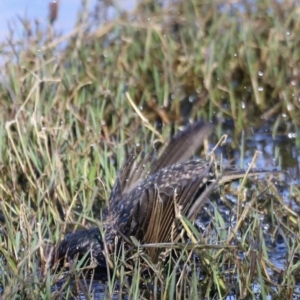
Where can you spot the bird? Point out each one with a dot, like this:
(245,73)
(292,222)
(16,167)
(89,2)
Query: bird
(143,202)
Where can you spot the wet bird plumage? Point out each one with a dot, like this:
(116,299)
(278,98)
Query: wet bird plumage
(143,204)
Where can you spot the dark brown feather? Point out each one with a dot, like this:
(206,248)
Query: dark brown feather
(183,145)
(144,205)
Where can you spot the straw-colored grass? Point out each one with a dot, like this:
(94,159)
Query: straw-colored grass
(72,106)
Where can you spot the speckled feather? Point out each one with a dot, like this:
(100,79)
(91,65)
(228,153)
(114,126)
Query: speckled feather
(143,205)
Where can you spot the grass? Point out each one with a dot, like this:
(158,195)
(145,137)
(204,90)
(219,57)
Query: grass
(67,123)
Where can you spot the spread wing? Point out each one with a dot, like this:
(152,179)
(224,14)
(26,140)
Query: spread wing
(153,206)
(183,145)
(132,172)
(179,149)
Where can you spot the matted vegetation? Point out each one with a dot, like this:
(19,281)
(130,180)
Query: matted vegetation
(68,118)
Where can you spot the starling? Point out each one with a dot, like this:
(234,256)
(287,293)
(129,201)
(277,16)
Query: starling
(143,204)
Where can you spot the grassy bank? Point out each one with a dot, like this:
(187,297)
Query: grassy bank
(72,106)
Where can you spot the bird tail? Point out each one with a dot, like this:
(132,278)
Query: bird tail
(225,175)
(228,174)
